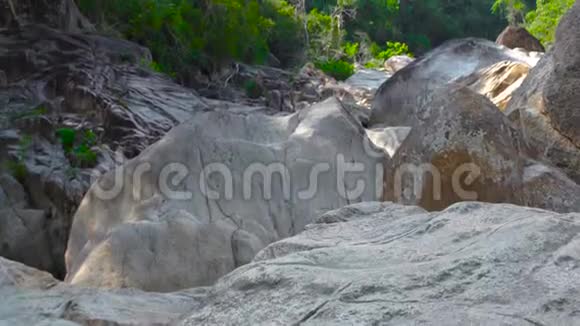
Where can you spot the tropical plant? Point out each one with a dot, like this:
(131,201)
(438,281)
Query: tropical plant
(543,21)
(78,147)
(338,69)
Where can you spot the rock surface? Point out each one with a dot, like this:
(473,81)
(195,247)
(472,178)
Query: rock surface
(549,188)
(86,83)
(396,63)
(518,37)
(547,106)
(397,99)
(379,263)
(32,297)
(497,82)
(148,237)
(462,136)
(368,263)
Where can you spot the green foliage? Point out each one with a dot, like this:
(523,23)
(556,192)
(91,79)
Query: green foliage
(372,64)
(188,35)
(339,69)
(543,21)
(16,166)
(17,169)
(67,138)
(393,49)
(185,33)
(152,65)
(325,37)
(78,148)
(514,10)
(350,50)
(286,37)
(85,156)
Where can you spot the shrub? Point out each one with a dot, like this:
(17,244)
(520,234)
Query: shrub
(339,69)
(543,21)
(186,33)
(350,50)
(16,166)
(286,37)
(393,49)
(78,150)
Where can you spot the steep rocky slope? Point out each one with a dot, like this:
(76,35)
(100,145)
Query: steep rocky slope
(85,85)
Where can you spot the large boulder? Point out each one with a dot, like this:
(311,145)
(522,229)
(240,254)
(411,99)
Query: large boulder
(515,37)
(547,106)
(549,188)
(462,135)
(33,297)
(397,99)
(190,209)
(383,264)
(465,149)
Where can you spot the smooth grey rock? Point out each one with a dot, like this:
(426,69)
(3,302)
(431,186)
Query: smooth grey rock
(149,239)
(11,193)
(24,237)
(368,79)
(384,264)
(32,297)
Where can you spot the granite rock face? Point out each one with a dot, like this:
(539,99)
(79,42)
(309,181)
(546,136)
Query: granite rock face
(398,98)
(214,191)
(87,85)
(463,148)
(547,106)
(379,263)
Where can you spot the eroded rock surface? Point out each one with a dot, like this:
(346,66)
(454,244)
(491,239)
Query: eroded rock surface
(86,84)
(547,106)
(461,135)
(148,237)
(379,263)
(497,82)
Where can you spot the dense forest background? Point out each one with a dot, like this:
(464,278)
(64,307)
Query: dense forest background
(186,35)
